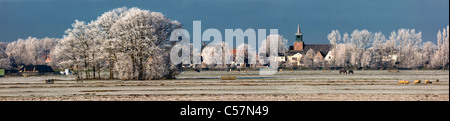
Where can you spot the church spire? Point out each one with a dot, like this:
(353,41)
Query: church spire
(298,29)
(299,34)
(298,44)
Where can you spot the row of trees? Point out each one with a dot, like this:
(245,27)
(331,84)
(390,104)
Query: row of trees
(29,51)
(5,62)
(215,55)
(131,41)
(403,49)
(132,44)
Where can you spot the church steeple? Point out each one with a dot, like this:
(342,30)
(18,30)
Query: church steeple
(299,34)
(298,44)
(298,30)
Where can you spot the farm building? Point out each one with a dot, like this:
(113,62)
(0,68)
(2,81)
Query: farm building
(35,70)
(8,72)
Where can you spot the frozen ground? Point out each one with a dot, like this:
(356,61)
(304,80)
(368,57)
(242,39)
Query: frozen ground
(190,85)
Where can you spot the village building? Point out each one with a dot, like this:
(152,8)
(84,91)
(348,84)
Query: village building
(293,57)
(297,53)
(391,57)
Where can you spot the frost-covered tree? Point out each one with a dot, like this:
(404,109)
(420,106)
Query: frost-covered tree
(5,62)
(248,53)
(308,59)
(341,57)
(30,51)
(361,41)
(342,51)
(349,50)
(18,51)
(378,49)
(98,53)
(264,48)
(378,40)
(404,49)
(131,41)
(141,35)
(428,50)
(109,43)
(82,36)
(81,48)
(407,43)
(334,37)
(74,50)
(366,59)
(441,57)
(282,43)
(214,55)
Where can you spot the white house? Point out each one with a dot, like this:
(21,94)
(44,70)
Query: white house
(329,56)
(295,59)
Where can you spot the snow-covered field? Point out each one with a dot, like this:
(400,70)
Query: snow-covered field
(320,75)
(207,85)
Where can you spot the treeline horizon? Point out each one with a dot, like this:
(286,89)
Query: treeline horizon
(130,44)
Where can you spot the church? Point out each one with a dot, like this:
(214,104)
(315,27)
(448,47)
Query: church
(297,53)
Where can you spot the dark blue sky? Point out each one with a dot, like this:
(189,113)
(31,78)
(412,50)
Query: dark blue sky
(42,18)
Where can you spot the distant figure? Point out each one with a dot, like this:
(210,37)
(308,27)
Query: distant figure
(197,70)
(343,71)
(350,71)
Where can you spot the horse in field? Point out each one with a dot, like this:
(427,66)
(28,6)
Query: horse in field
(350,71)
(343,71)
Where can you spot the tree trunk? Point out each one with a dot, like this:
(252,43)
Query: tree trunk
(133,64)
(111,68)
(141,66)
(78,74)
(99,71)
(87,68)
(141,70)
(93,67)
(111,65)
(93,64)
